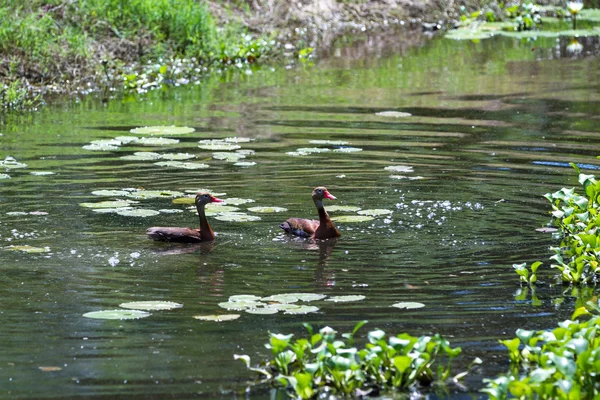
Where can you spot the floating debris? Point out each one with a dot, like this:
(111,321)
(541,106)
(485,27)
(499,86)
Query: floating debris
(41,173)
(11,163)
(399,168)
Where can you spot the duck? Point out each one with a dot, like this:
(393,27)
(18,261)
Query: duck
(187,235)
(321,229)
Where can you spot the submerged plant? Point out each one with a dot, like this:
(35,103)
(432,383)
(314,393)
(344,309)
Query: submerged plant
(324,363)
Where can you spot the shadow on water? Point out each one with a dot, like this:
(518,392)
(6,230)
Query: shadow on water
(460,181)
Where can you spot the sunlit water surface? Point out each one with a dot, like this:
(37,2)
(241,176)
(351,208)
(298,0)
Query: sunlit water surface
(493,127)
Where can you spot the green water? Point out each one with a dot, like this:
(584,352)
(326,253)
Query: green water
(493,127)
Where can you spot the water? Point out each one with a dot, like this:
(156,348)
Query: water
(493,127)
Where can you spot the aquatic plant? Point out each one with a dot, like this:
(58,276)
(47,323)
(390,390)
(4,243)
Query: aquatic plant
(574,7)
(325,364)
(562,363)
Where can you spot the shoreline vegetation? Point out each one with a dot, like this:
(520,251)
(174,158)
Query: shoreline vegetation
(52,47)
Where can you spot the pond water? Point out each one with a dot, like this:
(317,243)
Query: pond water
(492,127)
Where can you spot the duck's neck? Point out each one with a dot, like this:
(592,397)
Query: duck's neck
(206,232)
(323,217)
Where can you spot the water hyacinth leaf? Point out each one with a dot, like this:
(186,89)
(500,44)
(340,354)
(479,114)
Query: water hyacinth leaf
(399,168)
(281,298)
(142,194)
(408,305)
(41,173)
(109,204)
(262,311)
(143,213)
(231,157)
(342,208)
(394,114)
(237,217)
(347,150)
(340,299)
(352,218)
(244,163)
(4,176)
(151,305)
(267,209)
(375,212)
(244,297)
(183,165)
(110,192)
(217,318)
(100,147)
(28,249)
(330,142)
(117,314)
(156,141)
(142,156)
(302,310)
(11,163)
(162,130)
(308,296)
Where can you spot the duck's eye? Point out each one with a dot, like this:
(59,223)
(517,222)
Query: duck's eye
(319,191)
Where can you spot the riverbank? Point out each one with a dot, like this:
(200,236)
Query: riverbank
(49,47)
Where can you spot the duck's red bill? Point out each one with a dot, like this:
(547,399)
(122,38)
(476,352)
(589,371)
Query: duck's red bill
(329,196)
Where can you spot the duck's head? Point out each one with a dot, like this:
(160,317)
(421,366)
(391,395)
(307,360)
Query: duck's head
(321,192)
(204,198)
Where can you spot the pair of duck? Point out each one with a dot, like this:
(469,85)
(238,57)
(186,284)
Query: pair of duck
(321,229)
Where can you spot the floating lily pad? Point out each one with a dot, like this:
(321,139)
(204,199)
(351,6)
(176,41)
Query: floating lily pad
(375,212)
(244,164)
(352,218)
(177,156)
(169,211)
(4,176)
(240,305)
(142,156)
(330,142)
(151,305)
(262,311)
(38,213)
(308,296)
(236,201)
(281,298)
(219,146)
(16,213)
(196,191)
(216,208)
(162,130)
(408,305)
(395,114)
(246,152)
(313,150)
(399,168)
(153,194)
(231,157)
(410,178)
(28,249)
(110,192)
(127,139)
(302,310)
(100,147)
(347,150)
(41,173)
(11,163)
(342,208)
(238,140)
(109,204)
(156,141)
(110,210)
(244,297)
(217,318)
(267,209)
(237,217)
(185,200)
(106,142)
(138,213)
(339,299)
(184,165)
(282,306)
(117,314)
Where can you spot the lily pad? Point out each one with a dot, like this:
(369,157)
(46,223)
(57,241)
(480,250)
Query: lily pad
(330,142)
(313,150)
(16,213)
(127,139)
(267,209)
(138,213)
(169,211)
(162,130)
(177,156)
(196,191)
(142,156)
(347,150)
(41,173)
(100,147)
(28,249)
(238,140)
(237,217)
(216,208)
(244,163)
(153,194)
(282,306)
(184,165)
(308,296)
(110,192)
(156,141)
(262,311)
(244,297)
(4,176)
(231,157)
(219,146)
(352,218)
(217,318)
(106,142)
(340,299)
(185,200)
(302,310)
(11,163)
(109,204)
(240,305)
(395,114)
(236,201)
(375,212)
(342,208)
(410,178)
(281,298)
(399,168)
(110,210)
(117,314)
(246,152)
(408,305)
(151,305)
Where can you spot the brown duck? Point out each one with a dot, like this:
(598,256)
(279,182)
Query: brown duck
(321,229)
(203,234)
